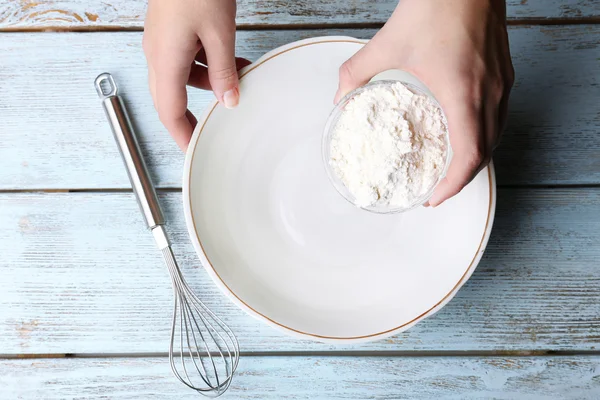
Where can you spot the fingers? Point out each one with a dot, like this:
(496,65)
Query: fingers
(171,67)
(240,62)
(360,68)
(466,125)
(199,77)
(169,94)
(173,33)
(199,73)
(222,70)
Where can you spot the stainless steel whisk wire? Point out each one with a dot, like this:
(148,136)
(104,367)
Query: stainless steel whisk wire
(185,302)
(199,339)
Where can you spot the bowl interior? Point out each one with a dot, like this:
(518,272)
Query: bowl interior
(276,236)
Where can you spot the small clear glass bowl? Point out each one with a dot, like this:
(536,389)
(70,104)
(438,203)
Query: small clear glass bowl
(326,149)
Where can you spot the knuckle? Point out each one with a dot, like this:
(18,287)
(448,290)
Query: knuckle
(471,92)
(477,92)
(475,157)
(497,86)
(164,118)
(165,115)
(346,73)
(477,71)
(223,74)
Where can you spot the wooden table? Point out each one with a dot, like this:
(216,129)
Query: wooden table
(85,300)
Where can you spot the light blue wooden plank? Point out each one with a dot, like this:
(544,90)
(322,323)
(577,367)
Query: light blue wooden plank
(534,9)
(312,378)
(54,134)
(80,274)
(81,14)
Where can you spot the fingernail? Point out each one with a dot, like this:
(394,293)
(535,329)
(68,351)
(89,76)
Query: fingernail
(231,98)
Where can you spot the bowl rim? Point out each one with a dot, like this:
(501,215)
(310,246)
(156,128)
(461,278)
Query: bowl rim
(223,287)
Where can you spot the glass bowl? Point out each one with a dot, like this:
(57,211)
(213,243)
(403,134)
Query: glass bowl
(326,149)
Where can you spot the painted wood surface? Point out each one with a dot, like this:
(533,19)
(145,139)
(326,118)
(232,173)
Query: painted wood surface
(80,274)
(54,134)
(312,378)
(81,14)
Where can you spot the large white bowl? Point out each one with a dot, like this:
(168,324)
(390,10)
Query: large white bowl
(283,244)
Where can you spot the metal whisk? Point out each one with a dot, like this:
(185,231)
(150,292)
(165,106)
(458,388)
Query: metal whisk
(200,341)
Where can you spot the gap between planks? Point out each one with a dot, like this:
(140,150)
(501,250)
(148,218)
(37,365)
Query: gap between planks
(94,190)
(285,27)
(332,353)
(179,190)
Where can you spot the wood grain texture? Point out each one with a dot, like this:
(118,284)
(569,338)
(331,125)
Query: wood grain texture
(82,14)
(54,134)
(80,274)
(312,378)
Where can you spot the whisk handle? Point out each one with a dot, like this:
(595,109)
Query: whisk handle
(130,150)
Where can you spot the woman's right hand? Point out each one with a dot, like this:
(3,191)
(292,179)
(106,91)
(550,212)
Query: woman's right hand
(176,35)
(459,49)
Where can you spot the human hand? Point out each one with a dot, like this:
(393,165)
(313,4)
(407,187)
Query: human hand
(177,34)
(459,50)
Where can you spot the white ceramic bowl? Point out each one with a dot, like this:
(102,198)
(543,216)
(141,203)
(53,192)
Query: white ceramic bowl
(277,238)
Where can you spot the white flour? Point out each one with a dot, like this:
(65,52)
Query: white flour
(389,146)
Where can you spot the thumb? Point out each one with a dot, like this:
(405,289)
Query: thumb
(222,71)
(360,68)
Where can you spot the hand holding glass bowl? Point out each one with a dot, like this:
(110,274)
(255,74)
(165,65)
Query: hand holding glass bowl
(388,81)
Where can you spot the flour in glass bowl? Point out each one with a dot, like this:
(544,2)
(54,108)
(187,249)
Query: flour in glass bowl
(389,146)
